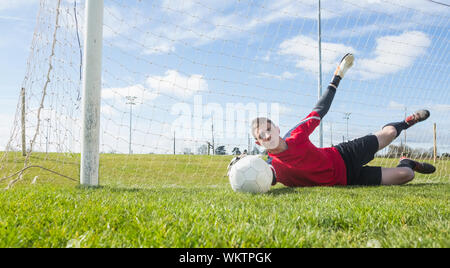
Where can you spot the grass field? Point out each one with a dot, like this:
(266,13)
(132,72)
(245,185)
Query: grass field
(186,201)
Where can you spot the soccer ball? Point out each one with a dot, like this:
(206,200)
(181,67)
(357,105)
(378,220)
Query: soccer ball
(251,174)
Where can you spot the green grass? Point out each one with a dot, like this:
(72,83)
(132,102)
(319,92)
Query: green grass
(186,201)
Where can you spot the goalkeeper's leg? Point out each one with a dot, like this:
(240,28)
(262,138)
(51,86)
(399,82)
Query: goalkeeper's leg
(396,176)
(404,172)
(391,131)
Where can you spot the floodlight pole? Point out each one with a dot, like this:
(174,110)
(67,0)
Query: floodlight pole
(212,136)
(131,101)
(319,33)
(92,74)
(174,143)
(347,117)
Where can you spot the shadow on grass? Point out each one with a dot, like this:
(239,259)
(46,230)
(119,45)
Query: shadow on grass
(425,184)
(289,190)
(85,187)
(282,191)
(157,189)
(114,189)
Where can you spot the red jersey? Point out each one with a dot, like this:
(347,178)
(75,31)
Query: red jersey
(303,164)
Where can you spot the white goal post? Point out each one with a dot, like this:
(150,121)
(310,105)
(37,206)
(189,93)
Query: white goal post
(92,85)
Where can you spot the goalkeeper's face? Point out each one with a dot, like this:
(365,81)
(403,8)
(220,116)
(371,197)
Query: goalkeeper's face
(268,135)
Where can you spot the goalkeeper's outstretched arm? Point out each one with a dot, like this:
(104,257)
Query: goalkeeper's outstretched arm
(324,103)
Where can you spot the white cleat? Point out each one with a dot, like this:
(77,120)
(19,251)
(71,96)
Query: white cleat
(346,63)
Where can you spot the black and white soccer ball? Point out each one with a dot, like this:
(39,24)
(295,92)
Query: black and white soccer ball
(250,174)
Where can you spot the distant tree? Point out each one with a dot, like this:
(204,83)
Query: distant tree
(255,151)
(220,150)
(236,151)
(397,151)
(187,151)
(202,150)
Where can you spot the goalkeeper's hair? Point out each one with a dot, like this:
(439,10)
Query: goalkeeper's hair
(257,122)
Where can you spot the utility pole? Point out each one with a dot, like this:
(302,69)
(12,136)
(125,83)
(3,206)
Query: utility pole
(174,140)
(131,100)
(212,135)
(347,117)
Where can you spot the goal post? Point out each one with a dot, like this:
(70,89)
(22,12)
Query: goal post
(92,73)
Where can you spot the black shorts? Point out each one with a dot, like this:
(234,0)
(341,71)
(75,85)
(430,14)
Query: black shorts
(356,154)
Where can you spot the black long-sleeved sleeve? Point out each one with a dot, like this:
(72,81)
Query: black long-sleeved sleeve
(324,103)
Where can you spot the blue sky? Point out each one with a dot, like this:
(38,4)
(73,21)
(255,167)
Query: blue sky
(249,52)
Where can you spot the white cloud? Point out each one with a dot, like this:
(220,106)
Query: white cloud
(115,23)
(285,110)
(12,18)
(171,83)
(394,53)
(15,4)
(305,52)
(441,107)
(202,23)
(118,96)
(396,106)
(283,76)
(159,47)
(178,85)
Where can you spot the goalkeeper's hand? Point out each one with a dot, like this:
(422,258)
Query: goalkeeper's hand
(234,161)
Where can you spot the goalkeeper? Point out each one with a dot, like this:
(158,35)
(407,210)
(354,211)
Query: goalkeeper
(295,161)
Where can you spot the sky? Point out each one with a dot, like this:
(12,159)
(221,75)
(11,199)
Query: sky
(193,63)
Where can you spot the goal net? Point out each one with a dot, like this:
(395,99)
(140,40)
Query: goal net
(182,80)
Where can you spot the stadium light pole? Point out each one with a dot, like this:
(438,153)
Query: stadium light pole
(347,117)
(131,100)
(319,33)
(92,75)
(212,136)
